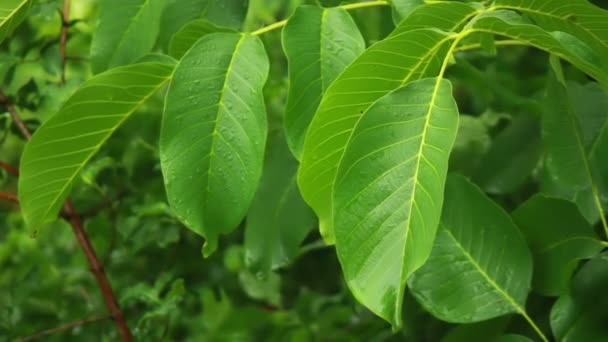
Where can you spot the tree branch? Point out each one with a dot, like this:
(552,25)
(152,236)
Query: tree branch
(16,118)
(64,327)
(9,168)
(9,197)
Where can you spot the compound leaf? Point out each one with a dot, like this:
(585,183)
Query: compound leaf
(213,133)
(61,147)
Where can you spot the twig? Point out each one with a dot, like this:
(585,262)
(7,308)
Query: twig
(16,118)
(64,327)
(9,168)
(8,196)
(64,37)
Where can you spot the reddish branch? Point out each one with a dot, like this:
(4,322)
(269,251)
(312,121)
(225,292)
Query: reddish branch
(74,218)
(12,170)
(64,37)
(64,327)
(10,197)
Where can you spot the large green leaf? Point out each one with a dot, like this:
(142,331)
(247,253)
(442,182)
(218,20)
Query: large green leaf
(381,69)
(127,30)
(577,17)
(480,267)
(319,44)
(573,323)
(278,220)
(510,24)
(567,158)
(62,145)
(12,12)
(183,40)
(559,236)
(389,191)
(213,133)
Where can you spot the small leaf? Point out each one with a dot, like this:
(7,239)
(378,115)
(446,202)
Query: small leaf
(226,13)
(62,146)
(278,220)
(403,8)
(389,191)
(319,44)
(127,30)
(177,14)
(12,12)
(480,267)
(559,237)
(183,40)
(213,133)
(382,68)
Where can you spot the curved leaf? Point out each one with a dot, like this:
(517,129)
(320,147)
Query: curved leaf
(480,267)
(12,12)
(559,237)
(319,44)
(227,13)
(381,69)
(403,8)
(127,30)
(177,14)
(577,17)
(573,323)
(512,25)
(62,146)
(389,191)
(183,39)
(278,220)
(213,133)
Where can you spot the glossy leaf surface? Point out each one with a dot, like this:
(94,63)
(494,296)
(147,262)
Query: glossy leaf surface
(278,220)
(389,191)
(480,267)
(319,43)
(127,30)
(12,12)
(213,133)
(61,147)
(559,236)
(362,83)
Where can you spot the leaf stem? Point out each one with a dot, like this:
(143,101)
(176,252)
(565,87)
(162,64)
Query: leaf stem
(506,42)
(64,327)
(9,168)
(282,23)
(534,326)
(15,116)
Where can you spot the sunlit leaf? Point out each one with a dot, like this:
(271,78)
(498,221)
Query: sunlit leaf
(278,220)
(559,236)
(127,30)
(12,12)
(319,44)
(389,191)
(353,92)
(213,133)
(480,267)
(61,147)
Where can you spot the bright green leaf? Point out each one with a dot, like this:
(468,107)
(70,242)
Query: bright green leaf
(559,236)
(12,12)
(61,147)
(480,267)
(362,83)
(278,220)
(319,44)
(213,133)
(389,191)
(183,40)
(127,30)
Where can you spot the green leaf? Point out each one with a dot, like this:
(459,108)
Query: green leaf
(319,44)
(510,24)
(572,323)
(477,332)
(12,13)
(362,83)
(213,133)
(567,158)
(177,14)
(62,146)
(278,220)
(389,191)
(480,267)
(589,285)
(576,17)
(403,8)
(127,30)
(513,338)
(559,236)
(183,40)
(512,157)
(227,13)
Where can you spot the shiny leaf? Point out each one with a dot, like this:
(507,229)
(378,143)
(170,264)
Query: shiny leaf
(62,146)
(319,44)
(213,133)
